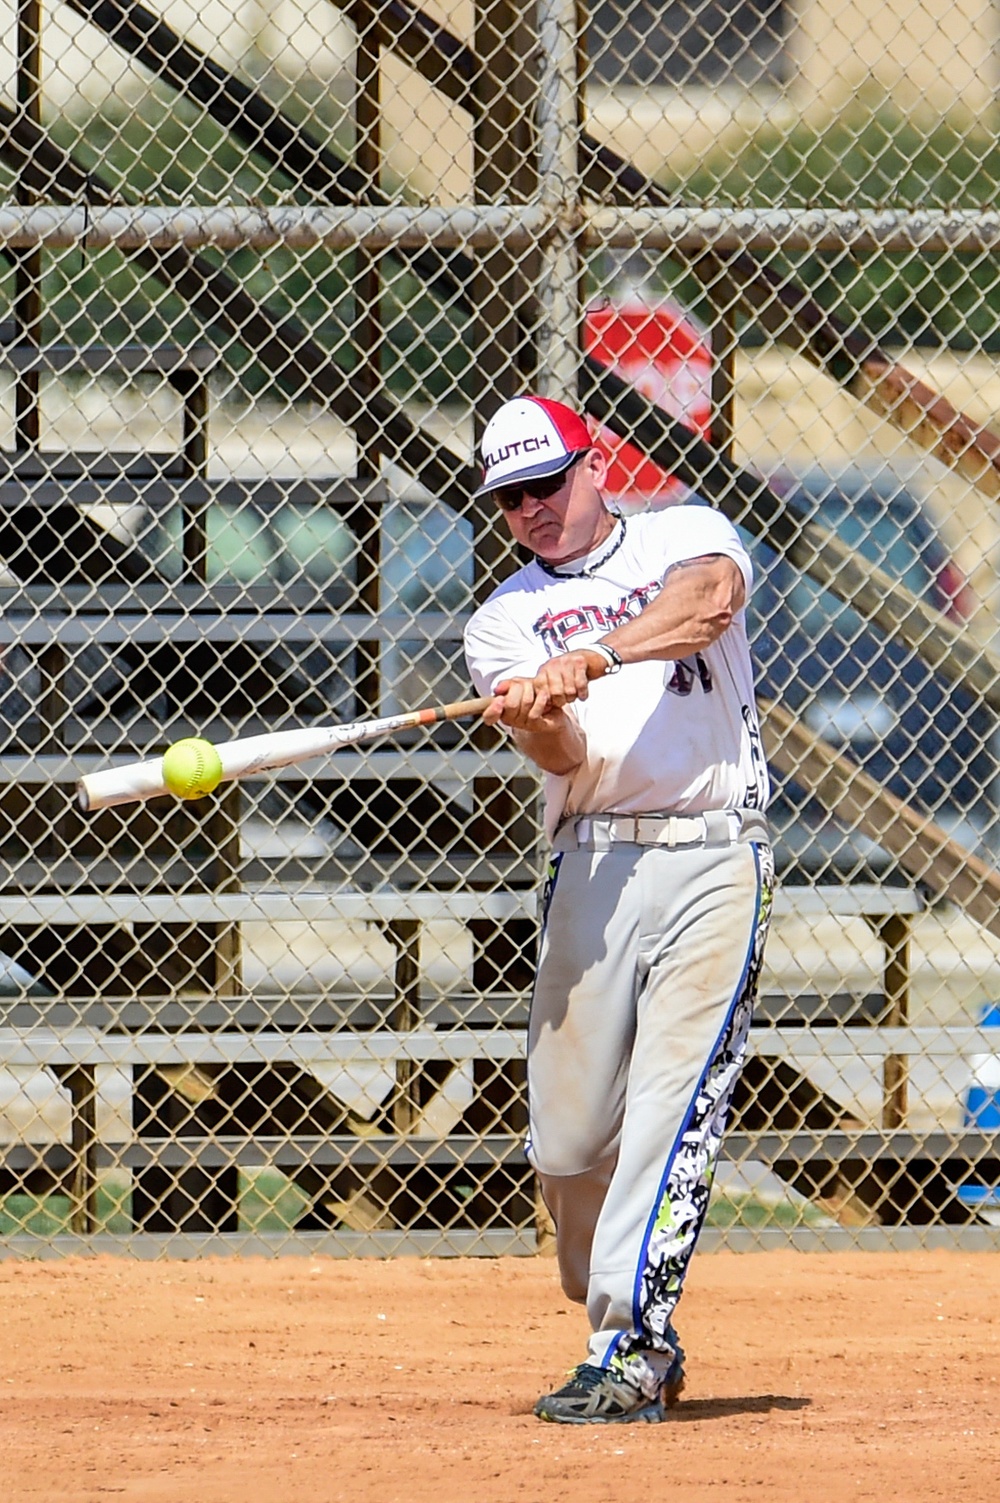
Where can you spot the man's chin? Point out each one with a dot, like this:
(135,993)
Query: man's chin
(546,544)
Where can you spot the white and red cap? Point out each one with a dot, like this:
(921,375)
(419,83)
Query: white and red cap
(529,438)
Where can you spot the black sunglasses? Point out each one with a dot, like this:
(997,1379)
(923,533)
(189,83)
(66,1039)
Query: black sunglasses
(511,496)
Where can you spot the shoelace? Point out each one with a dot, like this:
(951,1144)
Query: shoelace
(586,1376)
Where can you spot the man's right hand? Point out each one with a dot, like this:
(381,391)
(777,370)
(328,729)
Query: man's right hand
(523,705)
(532,704)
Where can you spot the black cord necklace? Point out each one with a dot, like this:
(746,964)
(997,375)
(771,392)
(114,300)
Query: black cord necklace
(565,571)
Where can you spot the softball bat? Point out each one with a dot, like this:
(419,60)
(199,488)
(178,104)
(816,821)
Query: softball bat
(250,755)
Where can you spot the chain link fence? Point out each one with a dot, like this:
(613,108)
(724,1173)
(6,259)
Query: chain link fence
(266,273)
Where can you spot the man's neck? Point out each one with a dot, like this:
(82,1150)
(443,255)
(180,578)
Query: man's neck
(601,534)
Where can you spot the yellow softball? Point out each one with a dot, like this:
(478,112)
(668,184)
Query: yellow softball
(192,768)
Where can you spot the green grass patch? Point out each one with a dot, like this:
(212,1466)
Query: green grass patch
(46,1216)
(732,1210)
(270,1202)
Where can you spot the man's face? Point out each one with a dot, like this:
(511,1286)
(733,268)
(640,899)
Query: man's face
(569,523)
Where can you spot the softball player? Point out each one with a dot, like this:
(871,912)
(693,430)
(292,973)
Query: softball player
(618,659)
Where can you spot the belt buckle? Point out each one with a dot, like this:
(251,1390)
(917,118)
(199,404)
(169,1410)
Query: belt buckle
(641,833)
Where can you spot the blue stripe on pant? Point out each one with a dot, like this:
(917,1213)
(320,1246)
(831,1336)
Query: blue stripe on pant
(679,1214)
(646,981)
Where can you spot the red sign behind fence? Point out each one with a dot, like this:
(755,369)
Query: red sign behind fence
(668,357)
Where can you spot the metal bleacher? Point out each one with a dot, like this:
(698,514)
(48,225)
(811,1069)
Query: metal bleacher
(184,1166)
(132,920)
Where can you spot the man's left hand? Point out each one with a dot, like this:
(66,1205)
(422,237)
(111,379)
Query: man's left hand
(566,678)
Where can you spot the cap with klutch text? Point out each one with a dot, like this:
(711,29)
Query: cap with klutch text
(528,438)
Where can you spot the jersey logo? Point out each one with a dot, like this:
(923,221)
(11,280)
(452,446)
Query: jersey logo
(686,670)
(558,628)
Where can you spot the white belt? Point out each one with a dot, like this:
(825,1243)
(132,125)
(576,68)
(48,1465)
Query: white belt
(717,827)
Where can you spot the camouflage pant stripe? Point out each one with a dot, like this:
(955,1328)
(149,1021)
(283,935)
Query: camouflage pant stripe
(679,1213)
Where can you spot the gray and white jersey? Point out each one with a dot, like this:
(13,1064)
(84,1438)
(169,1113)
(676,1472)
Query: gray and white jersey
(679,736)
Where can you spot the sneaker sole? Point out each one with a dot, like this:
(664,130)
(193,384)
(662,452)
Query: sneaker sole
(650,1414)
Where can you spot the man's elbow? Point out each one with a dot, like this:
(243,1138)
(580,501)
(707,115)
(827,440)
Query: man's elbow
(721,622)
(709,627)
(722,611)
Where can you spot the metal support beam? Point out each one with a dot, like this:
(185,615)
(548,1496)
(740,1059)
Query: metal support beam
(559,192)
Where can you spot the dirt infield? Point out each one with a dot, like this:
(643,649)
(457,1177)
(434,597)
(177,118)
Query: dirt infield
(310,1380)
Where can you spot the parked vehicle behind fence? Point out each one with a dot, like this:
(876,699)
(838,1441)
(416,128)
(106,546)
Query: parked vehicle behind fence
(874,699)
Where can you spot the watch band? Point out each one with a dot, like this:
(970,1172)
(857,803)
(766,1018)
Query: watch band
(607,652)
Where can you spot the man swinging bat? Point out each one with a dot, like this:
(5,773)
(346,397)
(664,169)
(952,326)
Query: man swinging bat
(618,660)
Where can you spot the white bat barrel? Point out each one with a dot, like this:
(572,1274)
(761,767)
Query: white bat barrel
(121,785)
(249,754)
(252,754)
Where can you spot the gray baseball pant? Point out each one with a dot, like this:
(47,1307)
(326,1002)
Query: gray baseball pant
(646,979)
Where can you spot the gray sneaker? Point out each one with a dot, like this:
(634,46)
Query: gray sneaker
(605,1396)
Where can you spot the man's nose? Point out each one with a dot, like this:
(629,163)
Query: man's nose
(530,504)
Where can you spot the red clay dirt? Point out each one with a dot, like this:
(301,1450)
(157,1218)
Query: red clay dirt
(813,1378)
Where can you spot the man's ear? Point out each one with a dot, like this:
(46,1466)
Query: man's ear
(598,466)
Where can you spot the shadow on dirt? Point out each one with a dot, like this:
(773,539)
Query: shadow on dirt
(758,1403)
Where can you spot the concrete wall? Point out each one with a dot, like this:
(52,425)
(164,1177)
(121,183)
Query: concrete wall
(934,54)
(938,53)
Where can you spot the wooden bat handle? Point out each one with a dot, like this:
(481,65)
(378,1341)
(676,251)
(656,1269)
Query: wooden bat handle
(463,709)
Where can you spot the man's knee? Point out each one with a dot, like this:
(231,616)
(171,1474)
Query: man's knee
(572,1158)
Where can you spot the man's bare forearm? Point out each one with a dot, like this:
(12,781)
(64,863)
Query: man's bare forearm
(544,732)
(559,752)
(695,606)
